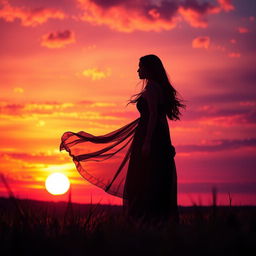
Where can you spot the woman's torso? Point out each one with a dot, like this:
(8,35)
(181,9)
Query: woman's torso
(142,104)
(161,133)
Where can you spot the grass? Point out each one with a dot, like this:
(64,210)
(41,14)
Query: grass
(45,228)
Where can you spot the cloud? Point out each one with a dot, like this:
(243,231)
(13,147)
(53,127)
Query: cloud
(201,42)
(40,123)
(58,39)
(226,5)
(217,145)
(252,18)
(243,30)
(18,90)
(227,109)
(222,187)
(96,74)
(43,111)
(127,16)
(32,108)
(222,121)
(195,13)
(42,157)
(234,55)
(130,115)
(29,17)
(103,104)
(131,15)
(11,109)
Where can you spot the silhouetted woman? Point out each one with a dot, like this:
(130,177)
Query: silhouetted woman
(136,162)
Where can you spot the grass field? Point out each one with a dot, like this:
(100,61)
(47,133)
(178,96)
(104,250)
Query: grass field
(45,228)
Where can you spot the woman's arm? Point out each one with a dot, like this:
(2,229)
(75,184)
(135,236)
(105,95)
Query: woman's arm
(152,98)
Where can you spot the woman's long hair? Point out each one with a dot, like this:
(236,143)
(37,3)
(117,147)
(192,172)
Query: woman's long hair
(155,71)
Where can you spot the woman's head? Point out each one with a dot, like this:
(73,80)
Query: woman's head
(152,69)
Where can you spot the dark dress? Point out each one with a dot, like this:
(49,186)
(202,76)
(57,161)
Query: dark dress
(148,188)
(151,186)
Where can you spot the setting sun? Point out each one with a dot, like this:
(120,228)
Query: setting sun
(57,184)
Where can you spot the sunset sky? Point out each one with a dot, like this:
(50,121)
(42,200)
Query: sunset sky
(71,65)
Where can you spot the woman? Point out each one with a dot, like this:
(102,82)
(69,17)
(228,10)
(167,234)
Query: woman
(145,175)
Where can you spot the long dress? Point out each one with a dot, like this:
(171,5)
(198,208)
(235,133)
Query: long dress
(148,188)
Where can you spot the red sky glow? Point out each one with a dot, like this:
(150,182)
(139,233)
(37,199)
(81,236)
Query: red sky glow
(71,65)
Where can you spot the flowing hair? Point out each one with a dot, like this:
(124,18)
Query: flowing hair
(156,72)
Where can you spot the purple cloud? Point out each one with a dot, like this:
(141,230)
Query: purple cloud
(127,16)
(217,145)
(223,187)
(58,39)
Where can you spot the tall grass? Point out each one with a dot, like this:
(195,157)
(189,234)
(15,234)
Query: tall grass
(37,228)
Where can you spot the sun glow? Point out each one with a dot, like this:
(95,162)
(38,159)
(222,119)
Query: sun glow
(57,184)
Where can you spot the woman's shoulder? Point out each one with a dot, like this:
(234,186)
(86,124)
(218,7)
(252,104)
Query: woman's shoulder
(152,84)
(153,87)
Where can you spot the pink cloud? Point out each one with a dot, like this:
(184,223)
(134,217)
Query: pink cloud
(218,145)
(238,110)
(127,16)
(222,187)
(243,30)
(196,14)
(252,18)
(58,39)
(29,17)
(201,42)
(234,55)
(226,5)
(233,41)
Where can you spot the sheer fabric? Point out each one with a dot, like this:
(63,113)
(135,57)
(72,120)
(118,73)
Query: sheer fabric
(112,148)
(148,188)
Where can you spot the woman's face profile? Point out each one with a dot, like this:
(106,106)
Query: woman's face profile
(141,71)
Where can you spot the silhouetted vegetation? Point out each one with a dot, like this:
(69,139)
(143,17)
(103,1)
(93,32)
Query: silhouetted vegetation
(45,228)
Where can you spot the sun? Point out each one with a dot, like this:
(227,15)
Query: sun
(57,183)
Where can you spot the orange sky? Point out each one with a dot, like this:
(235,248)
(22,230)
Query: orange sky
(70,65)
